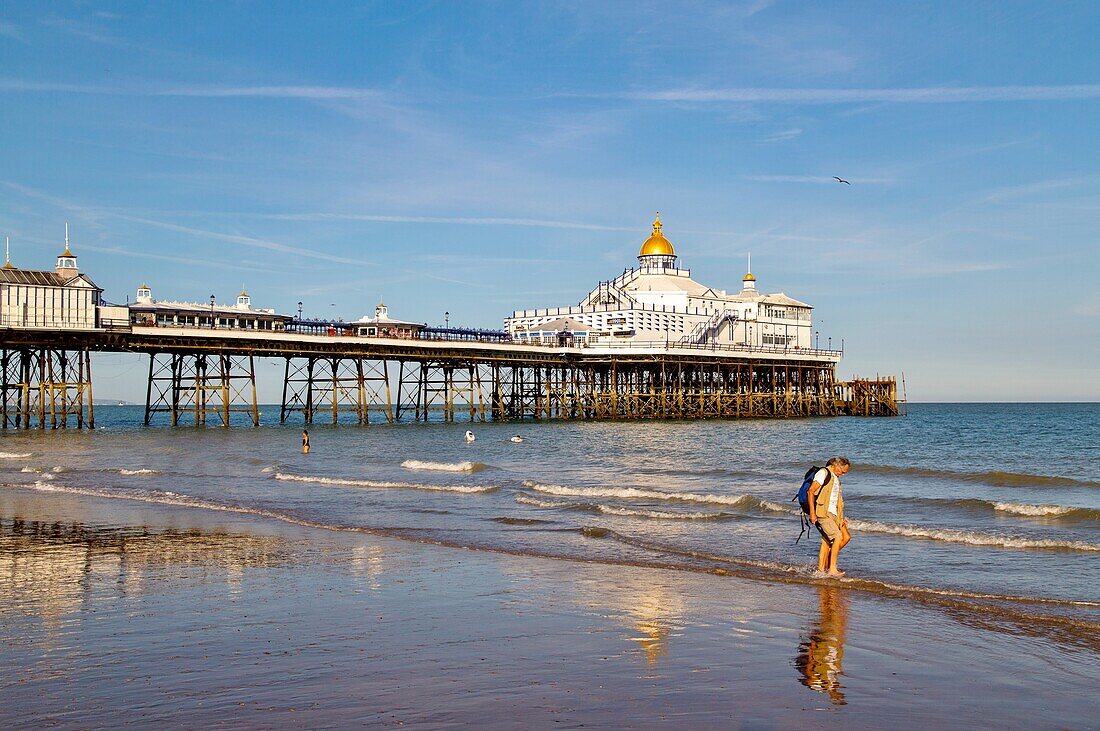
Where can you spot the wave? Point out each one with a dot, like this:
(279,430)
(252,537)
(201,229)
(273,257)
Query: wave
(344,482)
(141,471)
(14,455)
(977,504)
(640,493)
(994,478)
(1048,511)
(614,510)
(973,538)
(34,470)
(416,464)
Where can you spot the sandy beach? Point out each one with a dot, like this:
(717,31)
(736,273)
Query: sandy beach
(118,613)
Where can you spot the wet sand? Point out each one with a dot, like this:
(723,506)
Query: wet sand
(120,613)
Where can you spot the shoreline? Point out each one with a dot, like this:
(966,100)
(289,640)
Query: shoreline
(395,631)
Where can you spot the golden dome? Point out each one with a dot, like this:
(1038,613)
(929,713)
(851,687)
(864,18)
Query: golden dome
(657,244)
(749,278)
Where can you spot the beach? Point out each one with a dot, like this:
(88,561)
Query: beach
(294,604)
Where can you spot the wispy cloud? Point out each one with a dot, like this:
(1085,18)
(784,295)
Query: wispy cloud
(921,95)
(218,264)
(782,135)
(81,29)
(270,92)
(273,92)
(1021,191)
(251,241)
(467,221)
(1089,307)
(11,31)
(820,179)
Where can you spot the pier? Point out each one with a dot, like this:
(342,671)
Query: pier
(722,355)
(206,376)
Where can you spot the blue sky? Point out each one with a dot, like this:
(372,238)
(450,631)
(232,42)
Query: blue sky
(481,157)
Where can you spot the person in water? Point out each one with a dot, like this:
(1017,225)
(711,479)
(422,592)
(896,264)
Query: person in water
(305,441)
(469,436)
(827,513)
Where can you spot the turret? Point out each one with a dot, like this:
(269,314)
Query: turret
(66,261)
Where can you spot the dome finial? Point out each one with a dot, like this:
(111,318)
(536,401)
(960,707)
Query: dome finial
(657,224)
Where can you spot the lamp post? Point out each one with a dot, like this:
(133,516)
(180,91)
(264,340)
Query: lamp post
(817,340)
(447,319)
(299,311)
(213,322)
(830,343)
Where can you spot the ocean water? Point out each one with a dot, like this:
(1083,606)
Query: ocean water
(991,511)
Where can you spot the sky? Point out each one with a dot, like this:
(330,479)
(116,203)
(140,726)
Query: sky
(480,157)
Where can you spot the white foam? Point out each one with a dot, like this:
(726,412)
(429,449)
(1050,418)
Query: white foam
(30,469)
(614,510)
(527,500)
(1032,510)
(344,482)
(14,455)
(639,493)
(142,471)
(416,464)
(973,538)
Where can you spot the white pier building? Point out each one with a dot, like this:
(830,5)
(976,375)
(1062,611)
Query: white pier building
(658,302)
(62,299)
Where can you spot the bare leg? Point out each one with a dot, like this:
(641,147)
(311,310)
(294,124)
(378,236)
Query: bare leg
(823,556)
(834,551)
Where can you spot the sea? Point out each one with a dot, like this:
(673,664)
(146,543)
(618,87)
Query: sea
(991,511)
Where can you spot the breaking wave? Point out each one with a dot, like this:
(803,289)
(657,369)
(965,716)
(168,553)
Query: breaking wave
(14,455)
(973,538)
(614,510)
(639,493)
(994,478)
(1047,511)
(416,464)
(141,471)
(978,505)
(344,482)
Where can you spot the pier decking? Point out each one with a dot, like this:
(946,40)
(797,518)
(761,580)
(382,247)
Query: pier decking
(208,376)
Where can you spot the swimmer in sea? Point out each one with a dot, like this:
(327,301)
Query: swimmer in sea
(517,439)
(305,442)
(469,436)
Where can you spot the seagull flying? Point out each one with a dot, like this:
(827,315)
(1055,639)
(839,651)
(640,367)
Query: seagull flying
(841,180)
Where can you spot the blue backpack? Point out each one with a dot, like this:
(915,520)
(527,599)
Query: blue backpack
(803,498)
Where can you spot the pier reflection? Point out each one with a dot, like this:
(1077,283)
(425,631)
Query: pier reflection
(49,570)
(820,656)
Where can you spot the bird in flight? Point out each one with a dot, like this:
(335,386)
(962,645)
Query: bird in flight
(841,180)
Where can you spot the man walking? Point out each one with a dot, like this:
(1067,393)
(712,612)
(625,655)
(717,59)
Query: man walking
(827,513)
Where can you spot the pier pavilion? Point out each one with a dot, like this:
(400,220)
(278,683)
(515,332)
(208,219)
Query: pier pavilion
(658,301)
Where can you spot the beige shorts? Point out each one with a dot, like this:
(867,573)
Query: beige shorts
(828,527)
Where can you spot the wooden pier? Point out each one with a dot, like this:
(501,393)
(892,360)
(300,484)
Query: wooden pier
(208,376)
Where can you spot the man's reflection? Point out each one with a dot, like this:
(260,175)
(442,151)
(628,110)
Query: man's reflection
(820,657)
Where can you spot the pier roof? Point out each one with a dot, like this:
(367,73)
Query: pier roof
(33,277)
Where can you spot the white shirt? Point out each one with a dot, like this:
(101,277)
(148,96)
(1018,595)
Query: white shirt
(834,496)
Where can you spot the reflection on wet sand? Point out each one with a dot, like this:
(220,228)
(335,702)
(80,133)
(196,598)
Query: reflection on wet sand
(821,656)
(51,569)
(653,610)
